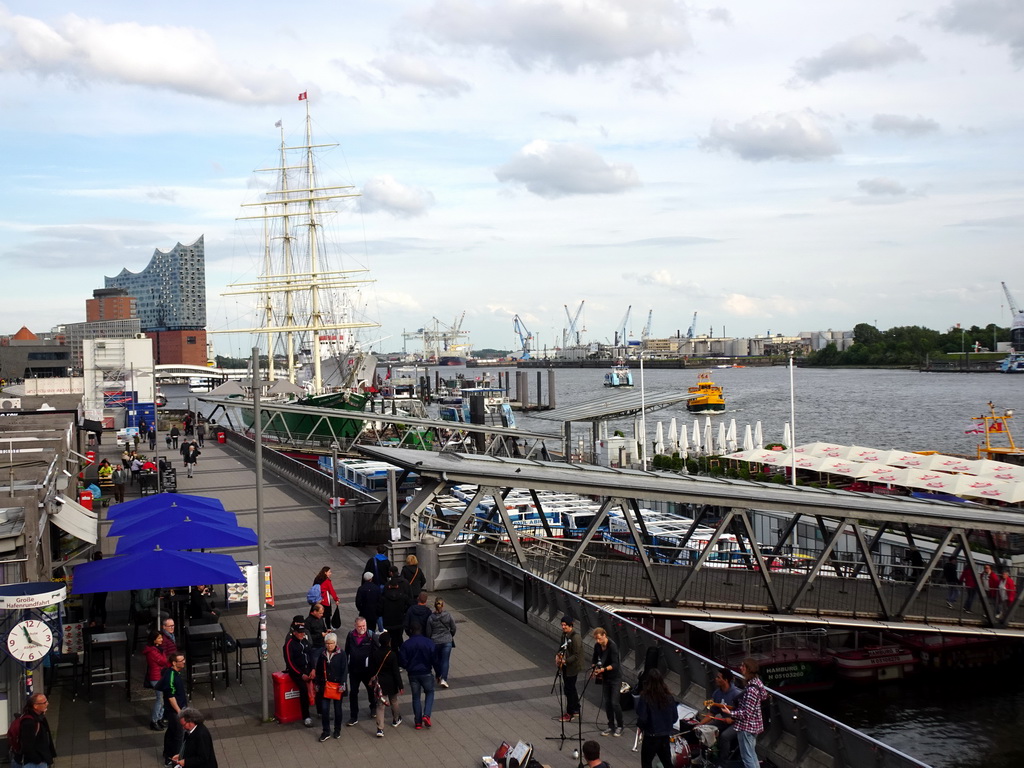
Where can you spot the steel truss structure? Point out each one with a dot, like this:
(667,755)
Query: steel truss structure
(848,588)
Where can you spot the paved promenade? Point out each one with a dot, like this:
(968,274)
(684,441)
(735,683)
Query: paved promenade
(501,671)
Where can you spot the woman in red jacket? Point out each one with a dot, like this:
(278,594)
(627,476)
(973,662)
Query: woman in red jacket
(1007,593)
(328,597)
(156,663)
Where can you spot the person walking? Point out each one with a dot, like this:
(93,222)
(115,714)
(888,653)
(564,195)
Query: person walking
(156,663)
(368,600)
(172,686)
(152,439)
(384,659)
(37,747)
(569,661)
(328,597)
(379,566)
(296,660)
(417,658)
(1007,593)
(970,583)
(418,613)
(330,666)
(656,716)
(747,718)
(190,455)
(197,743)
(358,648)
(201,433)
(441,630)
(119,478)
(605,668)
(394,603)
(411,572)
(952,582)
(175,433)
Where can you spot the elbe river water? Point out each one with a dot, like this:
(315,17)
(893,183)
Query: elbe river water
(964,721)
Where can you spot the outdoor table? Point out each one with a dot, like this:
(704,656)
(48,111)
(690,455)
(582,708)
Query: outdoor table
(99,662)
(206,655)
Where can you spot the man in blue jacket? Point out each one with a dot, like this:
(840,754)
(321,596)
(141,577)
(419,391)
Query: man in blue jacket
(417,658)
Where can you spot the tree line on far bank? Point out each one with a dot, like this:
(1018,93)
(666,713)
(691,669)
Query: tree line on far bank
(908,345)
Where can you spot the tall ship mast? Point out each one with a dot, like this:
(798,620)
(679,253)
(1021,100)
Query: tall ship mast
(307,310)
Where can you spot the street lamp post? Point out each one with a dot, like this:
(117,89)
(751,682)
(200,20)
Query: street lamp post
(792,421)
(643,415)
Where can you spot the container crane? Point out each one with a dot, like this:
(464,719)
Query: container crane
(525,337)
(693,327)
(573,333)
(1010,301)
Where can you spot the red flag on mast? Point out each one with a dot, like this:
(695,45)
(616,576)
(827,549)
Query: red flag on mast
(302,96)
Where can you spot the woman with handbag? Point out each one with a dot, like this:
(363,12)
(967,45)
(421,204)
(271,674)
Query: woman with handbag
(387,682)
(412,573)
(331,668)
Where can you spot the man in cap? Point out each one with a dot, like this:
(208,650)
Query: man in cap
(569,660)
(296,661)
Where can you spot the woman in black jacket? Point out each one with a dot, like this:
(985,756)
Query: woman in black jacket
(384,664)
(412,573)
(656,716)
(330,665)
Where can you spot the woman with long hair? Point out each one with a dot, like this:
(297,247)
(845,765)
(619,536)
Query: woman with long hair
(656,716)
(156,663)
(412,573)
(384,664)
(328,597)
(441,629)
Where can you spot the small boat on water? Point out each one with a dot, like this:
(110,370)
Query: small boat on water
(1012,363)
(708,396)
(619,376)
(874,664)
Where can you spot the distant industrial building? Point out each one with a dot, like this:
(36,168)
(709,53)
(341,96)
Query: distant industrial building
(169,301)
(25,355)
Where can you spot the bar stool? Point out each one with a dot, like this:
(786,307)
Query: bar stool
(242,644)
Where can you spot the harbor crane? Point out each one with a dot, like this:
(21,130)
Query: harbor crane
(646,332)
(573,334)
(1010,301)
(693,327)
(525,337)
(620,331)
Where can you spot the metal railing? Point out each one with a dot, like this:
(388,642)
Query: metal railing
(795,736)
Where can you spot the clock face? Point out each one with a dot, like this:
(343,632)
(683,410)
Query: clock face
(29,641)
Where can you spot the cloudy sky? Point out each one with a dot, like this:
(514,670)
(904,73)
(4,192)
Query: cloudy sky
(781,166)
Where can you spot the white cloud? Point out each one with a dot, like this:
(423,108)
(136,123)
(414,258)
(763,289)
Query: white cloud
(787,136)
(1000,22)
(881,186)
(563,34)
(908,126)
(402,69)
(861,53)
(554,170)
(179,59)
(759,306)
(384,193)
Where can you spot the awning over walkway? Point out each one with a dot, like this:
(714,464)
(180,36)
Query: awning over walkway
(75,519)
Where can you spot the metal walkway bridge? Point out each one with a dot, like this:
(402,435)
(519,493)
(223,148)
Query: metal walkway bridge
(847,581)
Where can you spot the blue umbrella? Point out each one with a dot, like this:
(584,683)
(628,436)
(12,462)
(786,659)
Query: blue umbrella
(189,534)
(154,569)
(140,523)
(161,502)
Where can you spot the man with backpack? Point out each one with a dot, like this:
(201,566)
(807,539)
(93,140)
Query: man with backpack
(379,566)
(29,737)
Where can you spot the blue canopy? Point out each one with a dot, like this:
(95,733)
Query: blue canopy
(192,533)
(142,523)
(163,501)
(154,569)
